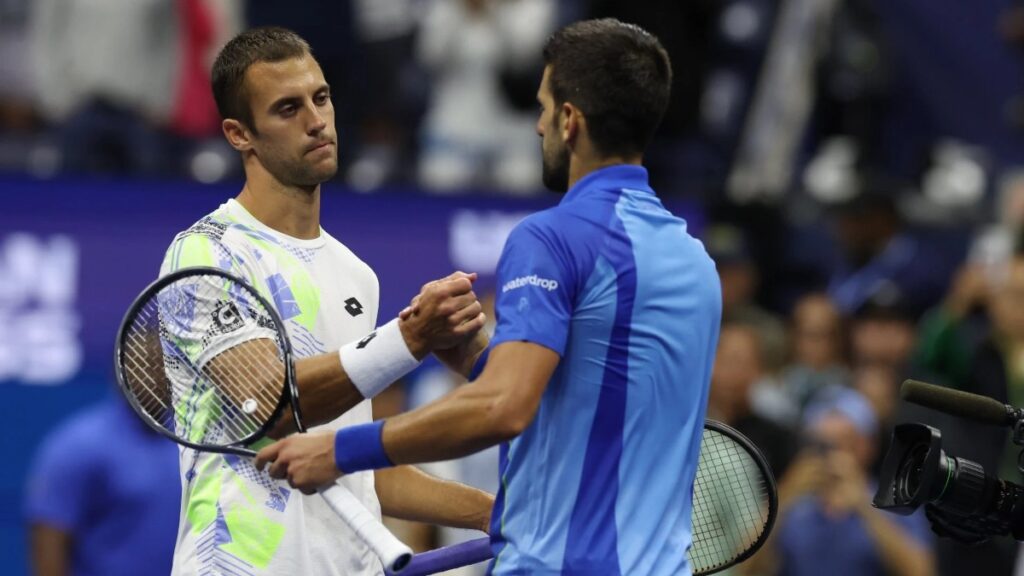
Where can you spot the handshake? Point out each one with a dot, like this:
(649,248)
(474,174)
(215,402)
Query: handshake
(445,318)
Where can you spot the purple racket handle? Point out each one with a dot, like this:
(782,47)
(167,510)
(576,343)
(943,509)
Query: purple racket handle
(449,557)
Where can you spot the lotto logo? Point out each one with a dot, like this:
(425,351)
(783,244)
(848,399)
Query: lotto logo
(353,307)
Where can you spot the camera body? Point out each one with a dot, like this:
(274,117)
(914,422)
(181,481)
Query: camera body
(961,500)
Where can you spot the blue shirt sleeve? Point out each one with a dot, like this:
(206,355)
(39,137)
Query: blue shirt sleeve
(60,481)
(536,288)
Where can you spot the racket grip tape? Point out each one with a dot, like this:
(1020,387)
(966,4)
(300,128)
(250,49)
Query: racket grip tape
(392,552)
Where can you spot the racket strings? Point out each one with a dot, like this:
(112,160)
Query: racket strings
(203,359)
(731,503)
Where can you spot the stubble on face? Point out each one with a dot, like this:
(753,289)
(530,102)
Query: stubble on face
(555,172)
(554,152)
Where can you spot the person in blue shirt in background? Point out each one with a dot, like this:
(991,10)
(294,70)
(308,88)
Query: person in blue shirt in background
(103,496)
(826,523)
(596,380)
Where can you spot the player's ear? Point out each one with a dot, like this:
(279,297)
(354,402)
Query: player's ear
(237,134)
(571,122)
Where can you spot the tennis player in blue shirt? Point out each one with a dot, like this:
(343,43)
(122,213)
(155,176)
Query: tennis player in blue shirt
(596,380)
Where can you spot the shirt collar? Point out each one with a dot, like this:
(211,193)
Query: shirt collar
(612,178)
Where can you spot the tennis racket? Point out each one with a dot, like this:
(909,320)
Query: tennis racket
(734,508)
(205,360)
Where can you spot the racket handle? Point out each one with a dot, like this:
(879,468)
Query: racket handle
(449,557)
(392,552)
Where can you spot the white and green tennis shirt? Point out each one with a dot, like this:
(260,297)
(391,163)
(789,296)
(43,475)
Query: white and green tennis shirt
(235,520)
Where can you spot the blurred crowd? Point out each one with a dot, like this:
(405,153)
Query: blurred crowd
(770,98)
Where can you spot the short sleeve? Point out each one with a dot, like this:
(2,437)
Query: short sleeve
(536,288)
(199,318)
(60,481)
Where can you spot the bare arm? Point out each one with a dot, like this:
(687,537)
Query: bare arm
(409,493)
(900,553)
(449,316)
(496,407)
(462,358)
(50,549)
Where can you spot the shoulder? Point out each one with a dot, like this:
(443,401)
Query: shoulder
(555,226)
(215,240)
(342,255)
(76,438)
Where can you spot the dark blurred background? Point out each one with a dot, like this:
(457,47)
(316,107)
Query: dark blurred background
(855,167)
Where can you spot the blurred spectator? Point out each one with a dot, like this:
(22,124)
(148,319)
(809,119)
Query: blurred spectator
(471,134)
(996,368)
(738,368)
(883,331)
(879,384)
(105,76)
(385,31)
(103,497)
(819,350)
(950,334)
(206,25)
(125,84)
(17,118)
(879,254)
(196,141)
(740,278)
(826,522)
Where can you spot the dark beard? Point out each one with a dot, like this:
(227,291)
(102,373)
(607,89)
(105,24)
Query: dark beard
(555,173)
(299,175)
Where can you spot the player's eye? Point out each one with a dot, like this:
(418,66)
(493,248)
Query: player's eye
(287,111)
(322,98)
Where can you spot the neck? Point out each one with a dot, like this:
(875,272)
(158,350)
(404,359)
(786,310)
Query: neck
(581,165)
(291,210)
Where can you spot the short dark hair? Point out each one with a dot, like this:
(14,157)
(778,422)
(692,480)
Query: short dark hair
(265,44)
(618,75)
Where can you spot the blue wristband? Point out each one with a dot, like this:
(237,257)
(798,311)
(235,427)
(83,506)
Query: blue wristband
(478,367)
(361,447)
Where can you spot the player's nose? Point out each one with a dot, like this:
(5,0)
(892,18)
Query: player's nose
(316,122)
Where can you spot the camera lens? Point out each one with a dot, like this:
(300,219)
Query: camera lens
(911,470)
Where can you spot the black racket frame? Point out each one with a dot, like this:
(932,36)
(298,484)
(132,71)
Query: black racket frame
(289,392)
(773,497)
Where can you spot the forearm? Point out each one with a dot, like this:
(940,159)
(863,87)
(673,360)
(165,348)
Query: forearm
(461,359)
(331,384)
(408,493)
(325,390)
(901,555)
(51,549)
(468,420)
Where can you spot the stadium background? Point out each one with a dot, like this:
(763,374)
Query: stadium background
(919,101)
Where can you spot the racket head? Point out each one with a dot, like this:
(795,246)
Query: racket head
(204,359)
(735,502)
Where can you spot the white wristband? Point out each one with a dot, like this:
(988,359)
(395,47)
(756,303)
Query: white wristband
(379,359)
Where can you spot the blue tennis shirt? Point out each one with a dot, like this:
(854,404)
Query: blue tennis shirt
(601,481)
